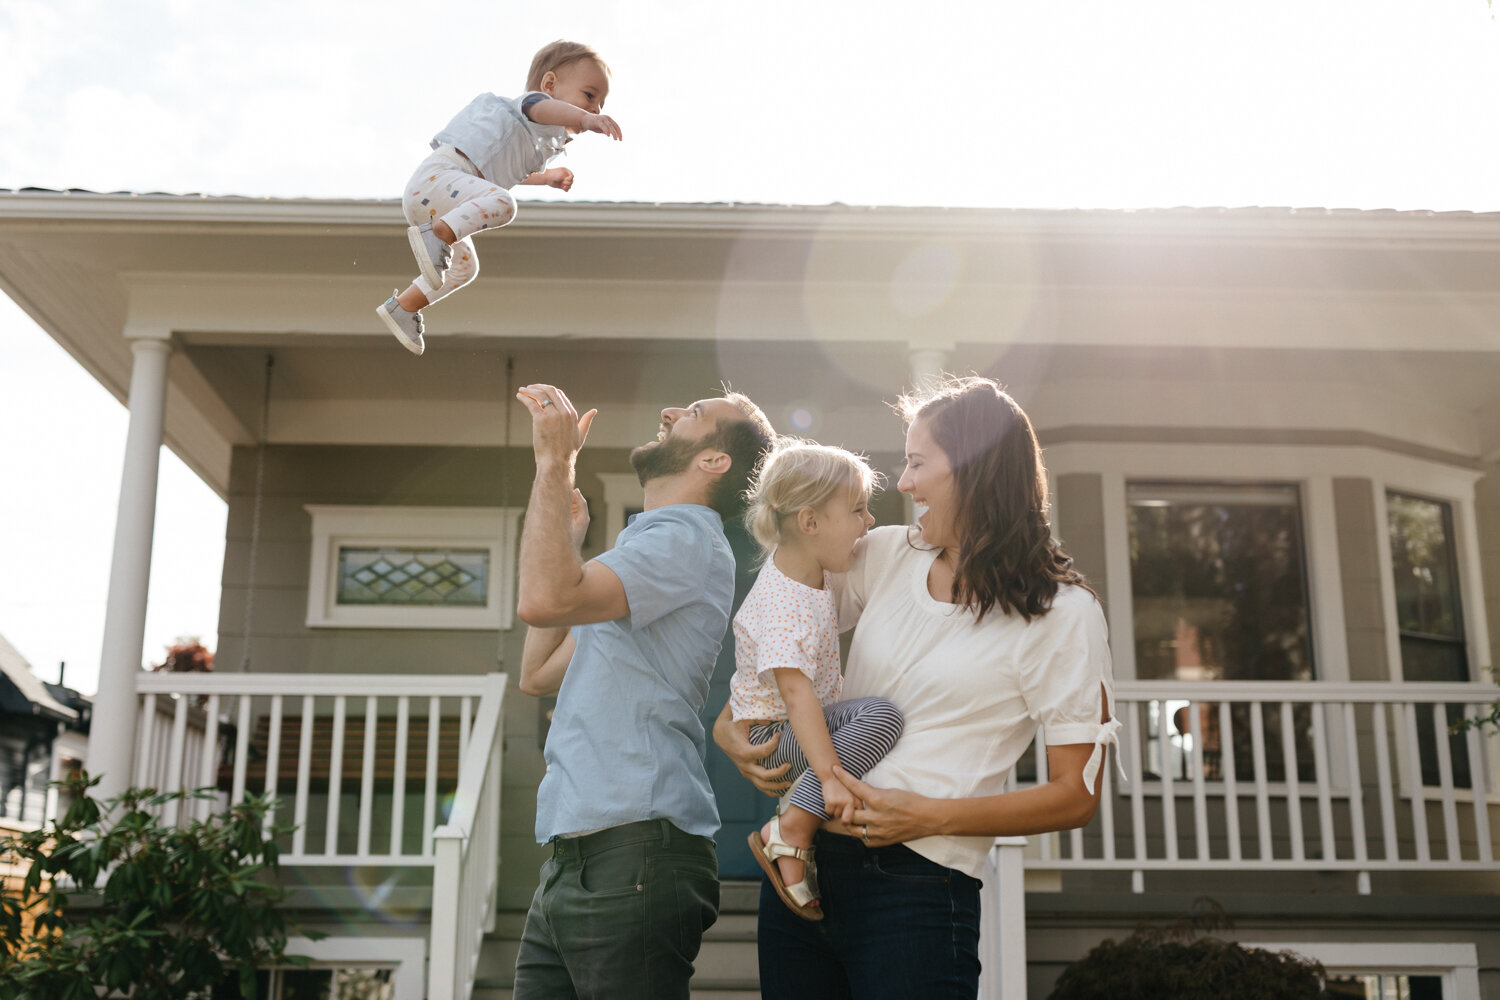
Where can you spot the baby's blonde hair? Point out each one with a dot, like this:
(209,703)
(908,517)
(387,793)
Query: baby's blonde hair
(797,474)
(553,57)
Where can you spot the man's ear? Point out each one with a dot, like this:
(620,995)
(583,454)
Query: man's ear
(715,462)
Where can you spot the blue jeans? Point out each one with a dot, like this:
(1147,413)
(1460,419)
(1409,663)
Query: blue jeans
(895,926)
(619,915)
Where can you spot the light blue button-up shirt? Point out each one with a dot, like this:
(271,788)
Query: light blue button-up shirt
(626,743)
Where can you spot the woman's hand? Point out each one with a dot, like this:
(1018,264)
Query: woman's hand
(734,739)
(883,816)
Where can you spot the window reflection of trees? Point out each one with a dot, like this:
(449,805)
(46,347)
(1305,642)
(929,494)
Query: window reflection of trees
(1219,588)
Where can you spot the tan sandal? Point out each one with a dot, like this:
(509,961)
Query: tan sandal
(798,895)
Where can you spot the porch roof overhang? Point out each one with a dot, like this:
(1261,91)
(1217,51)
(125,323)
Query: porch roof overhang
(789,301)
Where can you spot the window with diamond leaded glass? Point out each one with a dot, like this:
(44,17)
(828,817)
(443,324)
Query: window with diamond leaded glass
(401,575)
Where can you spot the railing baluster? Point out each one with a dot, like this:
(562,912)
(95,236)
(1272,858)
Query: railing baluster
(1137,740)
(465,707)
(398,790)
(1478,779)
(1293,783)
(273,759)
(335,776)
(145,751)
(1168,790)
(1414,778)
(1262,789)
(1231,787)
(1107,802)
(367,775)
(1356,795)
(1327,843)
(1383,775)
(1200,796)
(1445,780)
(241,750)
(429,798)
(175,753)
(208,758)
(304,774)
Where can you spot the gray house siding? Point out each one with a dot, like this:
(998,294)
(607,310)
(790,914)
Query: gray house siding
(1359,566)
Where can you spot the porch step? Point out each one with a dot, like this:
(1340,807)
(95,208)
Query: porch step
(727,966)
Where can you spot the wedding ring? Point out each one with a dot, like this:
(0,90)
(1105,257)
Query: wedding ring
(546,403)
(865,833)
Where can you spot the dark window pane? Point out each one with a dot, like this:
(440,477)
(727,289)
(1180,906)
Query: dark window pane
(1430,617)
(1218,583)
(1424,567)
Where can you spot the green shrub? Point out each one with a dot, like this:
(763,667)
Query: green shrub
(1176,963)
(176,911)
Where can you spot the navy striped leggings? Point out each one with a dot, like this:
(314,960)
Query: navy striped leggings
(863,730)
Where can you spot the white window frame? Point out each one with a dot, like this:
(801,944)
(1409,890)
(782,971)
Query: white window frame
(1313,468)
(621,490)
(406,955)
(1456,963)
(491,528)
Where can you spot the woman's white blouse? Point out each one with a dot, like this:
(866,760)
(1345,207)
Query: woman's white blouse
(972,692)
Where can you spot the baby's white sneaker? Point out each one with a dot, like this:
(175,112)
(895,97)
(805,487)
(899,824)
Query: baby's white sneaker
(407,326)
(433,255)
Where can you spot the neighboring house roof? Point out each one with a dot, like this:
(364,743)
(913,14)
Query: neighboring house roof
(22,692)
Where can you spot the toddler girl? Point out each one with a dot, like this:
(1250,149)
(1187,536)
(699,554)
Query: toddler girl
(808,510)
(491,145)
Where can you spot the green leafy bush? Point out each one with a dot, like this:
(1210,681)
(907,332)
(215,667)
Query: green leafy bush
(1176,962)
(170,912)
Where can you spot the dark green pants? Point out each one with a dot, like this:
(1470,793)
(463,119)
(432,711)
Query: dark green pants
(619,914)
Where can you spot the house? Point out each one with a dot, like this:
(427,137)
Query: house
(1274,440)
(43,733)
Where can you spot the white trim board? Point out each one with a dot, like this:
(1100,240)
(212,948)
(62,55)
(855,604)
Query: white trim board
(492,528)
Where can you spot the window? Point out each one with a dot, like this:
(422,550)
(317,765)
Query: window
(1429,618)
(412,567)
(1219,591)
(1385,987)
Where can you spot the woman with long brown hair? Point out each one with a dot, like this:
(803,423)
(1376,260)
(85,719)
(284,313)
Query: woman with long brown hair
(977,627)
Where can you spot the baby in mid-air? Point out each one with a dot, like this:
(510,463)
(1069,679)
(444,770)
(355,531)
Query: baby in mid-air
(490,146)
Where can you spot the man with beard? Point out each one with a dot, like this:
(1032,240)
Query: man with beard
(628,641)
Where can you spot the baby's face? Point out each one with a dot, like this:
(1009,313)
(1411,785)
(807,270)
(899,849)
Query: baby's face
(581,83)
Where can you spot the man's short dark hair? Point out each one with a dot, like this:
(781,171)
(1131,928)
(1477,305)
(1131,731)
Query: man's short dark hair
(746,441)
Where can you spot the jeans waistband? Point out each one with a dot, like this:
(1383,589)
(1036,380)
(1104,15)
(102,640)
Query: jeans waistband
(659,831)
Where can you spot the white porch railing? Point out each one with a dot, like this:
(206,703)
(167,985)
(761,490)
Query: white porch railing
(434,744)
(1260,776)
(468,859)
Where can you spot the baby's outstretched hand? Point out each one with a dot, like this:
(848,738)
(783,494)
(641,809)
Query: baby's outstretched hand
(603,124)
(560,177)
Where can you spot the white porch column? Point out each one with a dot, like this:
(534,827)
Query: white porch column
(928,363)
(112,735)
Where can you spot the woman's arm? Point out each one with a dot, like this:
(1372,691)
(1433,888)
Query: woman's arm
(894,816)
(734,739)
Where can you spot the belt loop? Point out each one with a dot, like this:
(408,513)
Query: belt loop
(666,832)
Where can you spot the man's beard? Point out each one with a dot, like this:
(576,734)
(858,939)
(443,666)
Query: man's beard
(666,457)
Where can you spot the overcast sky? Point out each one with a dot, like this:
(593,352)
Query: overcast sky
(1372,104)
